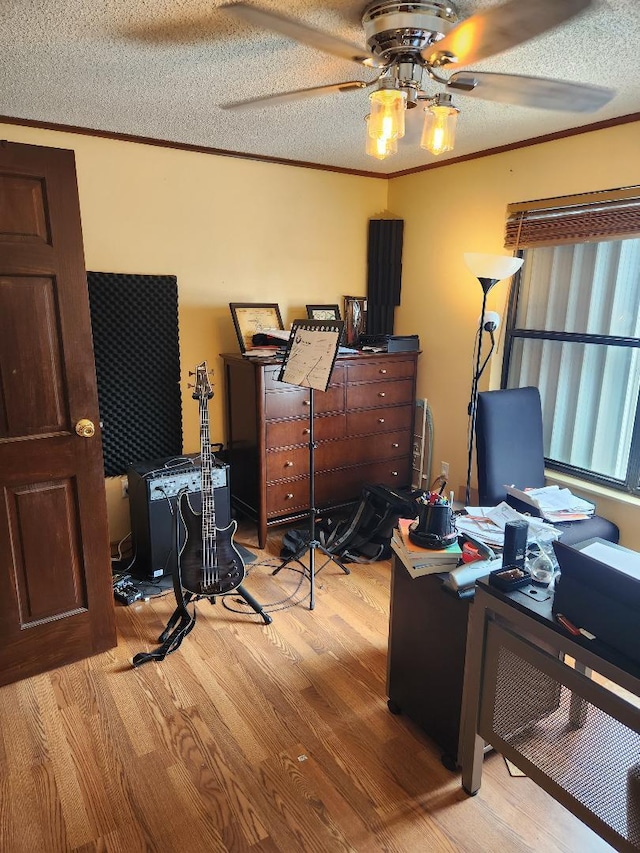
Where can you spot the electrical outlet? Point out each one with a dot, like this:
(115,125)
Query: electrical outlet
(444,470)
(124,483)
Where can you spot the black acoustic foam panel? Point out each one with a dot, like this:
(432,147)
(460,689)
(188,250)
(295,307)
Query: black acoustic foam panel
(135,338)
(384,274)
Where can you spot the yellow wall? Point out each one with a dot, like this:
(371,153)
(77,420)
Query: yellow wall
(231,230)
(462,208)
(234,230)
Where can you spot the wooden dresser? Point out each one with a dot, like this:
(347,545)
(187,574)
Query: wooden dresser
(363,429)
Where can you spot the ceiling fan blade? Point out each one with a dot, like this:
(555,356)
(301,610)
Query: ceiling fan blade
(499,28)
(531,91)
(301,32)
(296,95)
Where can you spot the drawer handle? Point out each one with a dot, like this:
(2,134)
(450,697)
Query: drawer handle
(380,420)
(381,394)
(306,402)
(382,370)
(306,432)
(395,444)
(289,497)
(290,464)
(394,473)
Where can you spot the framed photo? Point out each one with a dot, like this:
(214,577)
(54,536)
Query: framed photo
(323,312)
(250,318)
(355,318)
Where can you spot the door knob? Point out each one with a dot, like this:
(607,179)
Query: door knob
(85,428)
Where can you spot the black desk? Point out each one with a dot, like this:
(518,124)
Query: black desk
(576,738)
(425,662)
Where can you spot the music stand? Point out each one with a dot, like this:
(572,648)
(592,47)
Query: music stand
(308,362)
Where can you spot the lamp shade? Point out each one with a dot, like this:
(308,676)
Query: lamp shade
(439,129)
(388,107)
(380,147)
(495,267)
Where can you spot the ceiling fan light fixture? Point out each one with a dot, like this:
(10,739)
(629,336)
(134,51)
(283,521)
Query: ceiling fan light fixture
(439,129)
(388,107)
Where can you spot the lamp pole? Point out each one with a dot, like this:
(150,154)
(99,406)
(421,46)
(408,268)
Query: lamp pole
(488,269)
(486,284)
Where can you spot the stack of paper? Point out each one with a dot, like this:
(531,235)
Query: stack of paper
(422,561)
(553,503)
(486,524)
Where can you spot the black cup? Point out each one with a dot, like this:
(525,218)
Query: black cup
(435,520)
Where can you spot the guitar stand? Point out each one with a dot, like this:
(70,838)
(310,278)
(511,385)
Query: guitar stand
(182,622)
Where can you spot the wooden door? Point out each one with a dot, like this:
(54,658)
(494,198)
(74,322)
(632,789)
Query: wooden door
(56,599)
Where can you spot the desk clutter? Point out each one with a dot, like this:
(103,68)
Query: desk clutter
(467,542)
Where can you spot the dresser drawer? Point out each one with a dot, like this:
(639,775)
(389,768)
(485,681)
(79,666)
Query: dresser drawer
(272,383)
(370,371)
(373,394)
(284,498)
(290,433)
(357,450)
(348,482)
(295,404)
(376,420)
(292,462)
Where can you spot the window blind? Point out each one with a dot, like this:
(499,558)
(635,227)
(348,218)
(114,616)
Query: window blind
(607,215)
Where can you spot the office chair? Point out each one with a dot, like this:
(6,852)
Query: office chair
(510,451)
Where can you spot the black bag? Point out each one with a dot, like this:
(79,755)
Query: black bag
(365,536)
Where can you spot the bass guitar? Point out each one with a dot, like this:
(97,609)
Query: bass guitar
(208,562)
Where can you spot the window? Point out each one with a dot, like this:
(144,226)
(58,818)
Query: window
(574,330)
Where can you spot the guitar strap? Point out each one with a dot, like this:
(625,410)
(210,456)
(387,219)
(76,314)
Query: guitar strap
(181,622)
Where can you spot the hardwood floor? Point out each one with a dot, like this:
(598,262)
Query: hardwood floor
(251,738)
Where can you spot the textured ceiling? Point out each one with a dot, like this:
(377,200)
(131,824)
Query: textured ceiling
(161,69)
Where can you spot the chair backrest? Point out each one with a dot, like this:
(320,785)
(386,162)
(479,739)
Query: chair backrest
(509,444)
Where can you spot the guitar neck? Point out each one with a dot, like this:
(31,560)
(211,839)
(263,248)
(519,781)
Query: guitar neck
(208,503)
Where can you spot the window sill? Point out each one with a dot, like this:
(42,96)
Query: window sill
(582,488)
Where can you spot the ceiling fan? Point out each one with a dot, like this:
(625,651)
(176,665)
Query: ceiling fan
(409,43)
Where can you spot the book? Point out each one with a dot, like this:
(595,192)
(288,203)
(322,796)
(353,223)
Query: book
(435,555)
(416,567)
(423,564)
(553,503)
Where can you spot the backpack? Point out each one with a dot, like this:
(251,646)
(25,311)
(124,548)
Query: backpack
(365,535)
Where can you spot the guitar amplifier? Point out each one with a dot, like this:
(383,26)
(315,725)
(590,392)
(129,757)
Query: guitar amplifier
(153,496)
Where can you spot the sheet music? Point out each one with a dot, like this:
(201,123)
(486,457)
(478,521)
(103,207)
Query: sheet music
(312,353)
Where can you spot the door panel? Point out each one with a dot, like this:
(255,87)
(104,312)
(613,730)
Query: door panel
(33,392)
(56,599)
(45,559)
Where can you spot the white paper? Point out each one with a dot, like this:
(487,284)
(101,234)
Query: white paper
(487,524)
(622,559)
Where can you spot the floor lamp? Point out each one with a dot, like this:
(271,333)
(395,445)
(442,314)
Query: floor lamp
(489,270)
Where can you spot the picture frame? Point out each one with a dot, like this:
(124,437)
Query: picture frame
(250,318)
(355,318)
(323,312)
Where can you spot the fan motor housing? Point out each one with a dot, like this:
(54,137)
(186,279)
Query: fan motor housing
(395,29)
